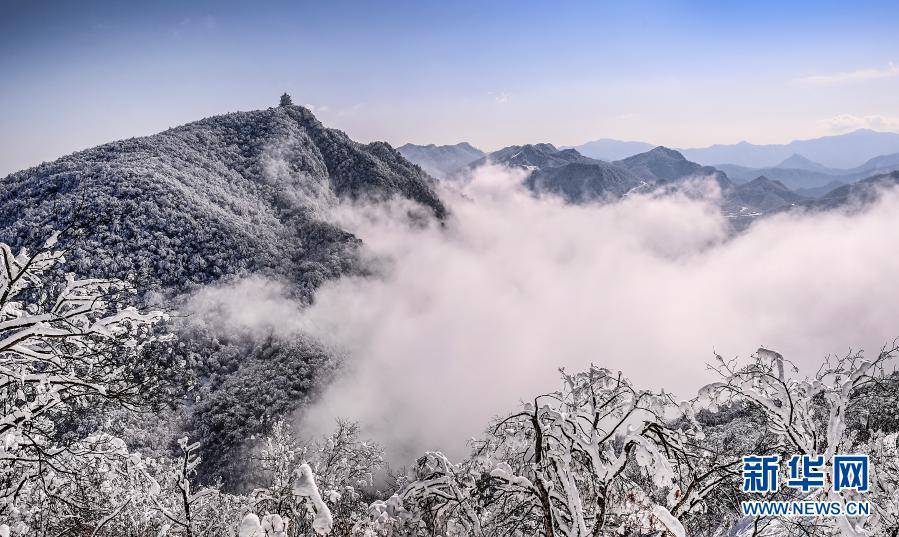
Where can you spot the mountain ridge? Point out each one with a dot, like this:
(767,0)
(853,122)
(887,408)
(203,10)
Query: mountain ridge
(840,151)
(814,176)
(564,172)
(859,193)
(666,165)
(197,186)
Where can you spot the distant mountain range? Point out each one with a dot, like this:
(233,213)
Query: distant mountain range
(580,179)
(669,169)
(798,172)
(805,176)
(841,151)
(858,193)
(441,161)
(746,192)
(818,191)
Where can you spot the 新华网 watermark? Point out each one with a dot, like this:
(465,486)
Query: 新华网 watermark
(805,473)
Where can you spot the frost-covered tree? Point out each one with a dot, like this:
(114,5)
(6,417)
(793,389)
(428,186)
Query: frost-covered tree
(582,461)
(305,494)
(65,347)
(600,457)
(812,416)
(285,100)
(125,493)
(343,465)
(270,525)
(181,515)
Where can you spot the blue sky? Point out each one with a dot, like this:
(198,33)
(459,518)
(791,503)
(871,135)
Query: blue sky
(77,74)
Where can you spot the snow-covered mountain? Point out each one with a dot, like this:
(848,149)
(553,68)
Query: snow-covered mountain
(224,195)
(532,156)
(565,172)
(208,202)
(441,161)
(664,165)
(580,182)
(667,168)
(579,179)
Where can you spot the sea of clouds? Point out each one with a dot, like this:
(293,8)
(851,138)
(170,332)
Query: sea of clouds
(461,320)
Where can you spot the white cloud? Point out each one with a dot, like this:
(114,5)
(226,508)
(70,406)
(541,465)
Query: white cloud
(891,70)
(501,97)
(352,110)
(254,304)
(317,108)
(849,122)
(460,321)
(466,320)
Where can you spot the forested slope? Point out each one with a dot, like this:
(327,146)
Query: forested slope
(205,202)
(225,195)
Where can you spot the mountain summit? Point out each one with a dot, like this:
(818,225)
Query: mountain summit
(664,165)
(798,162)
(763,195)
